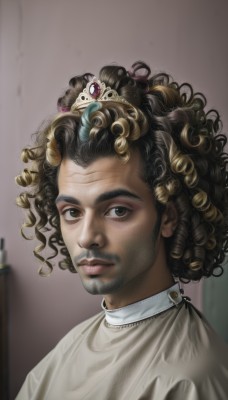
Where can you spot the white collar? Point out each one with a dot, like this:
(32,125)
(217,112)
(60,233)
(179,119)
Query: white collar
(144,308)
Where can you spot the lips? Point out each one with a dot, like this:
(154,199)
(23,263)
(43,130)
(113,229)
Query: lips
(94,266)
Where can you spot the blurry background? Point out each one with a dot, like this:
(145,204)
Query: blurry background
(42,45)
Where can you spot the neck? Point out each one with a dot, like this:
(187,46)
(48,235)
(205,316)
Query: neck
(147,308)
(142,290)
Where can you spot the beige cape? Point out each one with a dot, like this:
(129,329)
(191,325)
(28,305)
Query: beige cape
(172,356)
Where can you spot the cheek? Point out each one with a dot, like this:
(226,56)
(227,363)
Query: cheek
(68,238)
(141,244)
(136,245)
(137,232)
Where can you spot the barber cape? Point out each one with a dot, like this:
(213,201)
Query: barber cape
(160,348)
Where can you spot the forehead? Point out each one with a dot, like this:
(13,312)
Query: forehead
(105,173)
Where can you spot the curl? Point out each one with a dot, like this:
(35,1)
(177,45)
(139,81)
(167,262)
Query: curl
(27,177)
(164,193)
(200,201)
(85,128)
(182,164)
(30,154)
(194,140)
(139,72)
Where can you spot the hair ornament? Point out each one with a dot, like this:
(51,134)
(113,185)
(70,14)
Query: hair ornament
(86,122)
(95,91)
(63,109)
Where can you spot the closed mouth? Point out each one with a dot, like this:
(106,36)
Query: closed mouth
(94,261)
(95,267)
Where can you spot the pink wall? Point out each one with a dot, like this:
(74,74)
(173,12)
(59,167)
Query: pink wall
(43,43)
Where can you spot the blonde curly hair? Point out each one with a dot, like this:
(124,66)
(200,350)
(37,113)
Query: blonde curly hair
(182,149)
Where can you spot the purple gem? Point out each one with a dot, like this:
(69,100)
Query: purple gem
(94,90)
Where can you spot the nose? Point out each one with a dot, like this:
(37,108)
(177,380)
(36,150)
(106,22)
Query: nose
(92,233)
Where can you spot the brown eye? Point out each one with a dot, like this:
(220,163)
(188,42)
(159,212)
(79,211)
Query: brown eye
(118,212)
(71,214)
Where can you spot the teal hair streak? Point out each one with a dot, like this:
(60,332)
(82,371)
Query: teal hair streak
(85,127)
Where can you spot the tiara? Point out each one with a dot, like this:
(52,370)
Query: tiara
(96,90)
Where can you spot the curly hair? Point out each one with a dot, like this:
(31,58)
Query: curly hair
(183,153)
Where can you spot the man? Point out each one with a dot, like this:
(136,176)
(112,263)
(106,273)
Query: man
(130,178)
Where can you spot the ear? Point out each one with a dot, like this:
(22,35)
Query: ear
(169,220)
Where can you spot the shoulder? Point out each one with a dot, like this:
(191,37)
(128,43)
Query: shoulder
(194,338)
(38,377)
(196,358)
(188,360)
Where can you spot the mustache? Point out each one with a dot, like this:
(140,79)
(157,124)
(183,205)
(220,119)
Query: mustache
(95,253)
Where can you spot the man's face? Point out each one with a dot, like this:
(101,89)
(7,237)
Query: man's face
(111,228)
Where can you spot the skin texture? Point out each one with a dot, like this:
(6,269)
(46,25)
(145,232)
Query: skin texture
(112,231)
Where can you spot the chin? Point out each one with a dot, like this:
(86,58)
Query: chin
(95,286)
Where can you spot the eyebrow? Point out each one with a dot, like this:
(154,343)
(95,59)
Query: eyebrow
(103,197)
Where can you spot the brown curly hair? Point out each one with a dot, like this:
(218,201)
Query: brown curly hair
(182,149)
